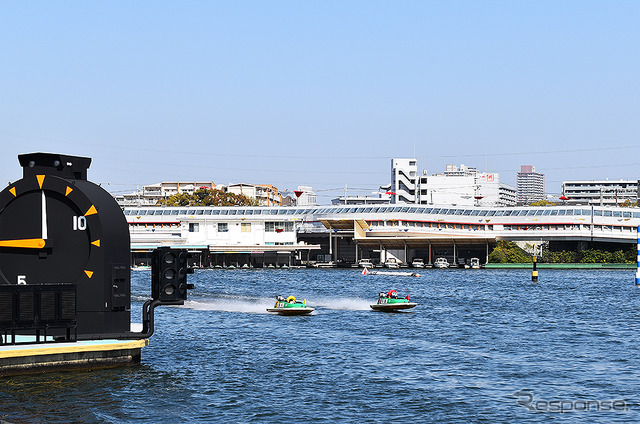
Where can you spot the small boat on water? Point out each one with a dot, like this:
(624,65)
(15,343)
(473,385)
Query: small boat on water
(392,263)
(475,263)
(365,263)
(141,268)
(441,263)
(366,271)
(389,302)
(290,306)
(418,263)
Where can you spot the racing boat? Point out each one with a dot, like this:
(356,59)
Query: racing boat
(290,306)
(366,271)
(389,302)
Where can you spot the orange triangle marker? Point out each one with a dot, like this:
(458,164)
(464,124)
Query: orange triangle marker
(69,190)
(96,243)
(89,273)
(40,180)
(12,190)
(92,211)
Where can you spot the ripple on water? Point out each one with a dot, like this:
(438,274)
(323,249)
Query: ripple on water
(475,339)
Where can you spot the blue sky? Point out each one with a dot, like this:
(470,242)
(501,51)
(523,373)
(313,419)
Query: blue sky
(321,93)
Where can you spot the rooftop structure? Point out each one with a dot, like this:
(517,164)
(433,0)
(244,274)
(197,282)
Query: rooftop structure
(373,199)
(305,196)
(460,171)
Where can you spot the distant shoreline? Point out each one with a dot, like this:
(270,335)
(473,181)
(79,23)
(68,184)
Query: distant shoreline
(561,266)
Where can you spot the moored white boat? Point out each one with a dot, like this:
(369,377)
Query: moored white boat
(391,263)
(365,263)
(417,263)
(441,263)
(475,263)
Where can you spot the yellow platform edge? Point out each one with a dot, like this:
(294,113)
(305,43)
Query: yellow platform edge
(14,351)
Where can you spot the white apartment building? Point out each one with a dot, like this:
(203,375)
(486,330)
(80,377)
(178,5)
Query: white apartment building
(403,180)
(602,192)
(265,194)
(481,189)
(305,196)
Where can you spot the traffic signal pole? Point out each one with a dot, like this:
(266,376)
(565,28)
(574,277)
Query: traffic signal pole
(169,286)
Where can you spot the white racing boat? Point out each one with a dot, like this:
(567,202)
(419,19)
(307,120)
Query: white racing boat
(396,273)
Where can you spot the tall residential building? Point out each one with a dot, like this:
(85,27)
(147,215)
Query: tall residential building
(529,185)
(404,174)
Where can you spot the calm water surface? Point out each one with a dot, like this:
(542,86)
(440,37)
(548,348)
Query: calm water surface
(476,338)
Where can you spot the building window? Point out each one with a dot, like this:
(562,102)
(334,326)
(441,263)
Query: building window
(223,227)
(194,227)
(246,227)
(278,227)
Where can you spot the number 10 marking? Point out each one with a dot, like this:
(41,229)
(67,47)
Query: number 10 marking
(79,223)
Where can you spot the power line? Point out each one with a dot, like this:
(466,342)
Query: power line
(344,157)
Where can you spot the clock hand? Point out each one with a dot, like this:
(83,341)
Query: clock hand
(44,217)
(36,243)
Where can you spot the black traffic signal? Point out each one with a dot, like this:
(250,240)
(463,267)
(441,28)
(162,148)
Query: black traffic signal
(169,274)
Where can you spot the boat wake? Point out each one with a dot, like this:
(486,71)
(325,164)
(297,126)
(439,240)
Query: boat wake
(341,303)
(260,305)
(257,306)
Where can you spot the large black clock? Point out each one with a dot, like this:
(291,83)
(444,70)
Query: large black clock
(57,227)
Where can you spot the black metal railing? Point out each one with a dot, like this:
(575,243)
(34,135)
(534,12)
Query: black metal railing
(37,313)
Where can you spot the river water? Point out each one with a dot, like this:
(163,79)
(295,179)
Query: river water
(481,346)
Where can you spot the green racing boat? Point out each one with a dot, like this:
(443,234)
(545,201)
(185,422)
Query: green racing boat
(290,306)
(389,302)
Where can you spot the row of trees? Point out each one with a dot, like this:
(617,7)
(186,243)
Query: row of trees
(590,256)
(509,252)
(208,197)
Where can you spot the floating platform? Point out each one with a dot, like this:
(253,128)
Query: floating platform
(30,358)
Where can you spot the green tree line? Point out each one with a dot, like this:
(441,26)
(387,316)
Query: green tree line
(509,252)
(208,197)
